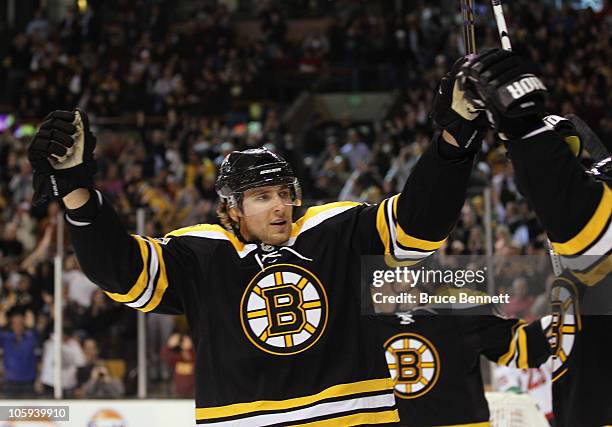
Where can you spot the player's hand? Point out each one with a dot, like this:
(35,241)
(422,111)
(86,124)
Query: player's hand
(455,114)
(62,155)
(508,88)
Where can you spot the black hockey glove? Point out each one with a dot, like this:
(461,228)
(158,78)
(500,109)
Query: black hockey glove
(508,88)
(453,113)
(61,154)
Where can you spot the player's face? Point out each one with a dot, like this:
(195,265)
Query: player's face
(267,214)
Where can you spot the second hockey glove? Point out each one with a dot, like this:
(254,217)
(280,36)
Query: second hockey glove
(508,88)
(455,114)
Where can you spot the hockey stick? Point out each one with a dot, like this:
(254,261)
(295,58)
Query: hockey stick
(469,38)
(502,29)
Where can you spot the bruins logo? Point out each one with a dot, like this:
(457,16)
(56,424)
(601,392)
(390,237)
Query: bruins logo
(414,364)
(284,309)
(563,324)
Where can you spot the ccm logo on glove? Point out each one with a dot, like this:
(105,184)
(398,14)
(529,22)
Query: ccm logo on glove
(524,86)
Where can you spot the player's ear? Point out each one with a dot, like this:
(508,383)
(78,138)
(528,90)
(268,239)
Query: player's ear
(234,214)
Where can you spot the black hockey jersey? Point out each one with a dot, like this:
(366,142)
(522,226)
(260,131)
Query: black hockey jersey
(576,212)
(434,361)
(277,330)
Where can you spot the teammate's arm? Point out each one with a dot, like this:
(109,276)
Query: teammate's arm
(573,207)
(512,342)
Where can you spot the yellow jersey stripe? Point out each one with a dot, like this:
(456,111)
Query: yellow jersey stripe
(597,273)
(141,282)
(522,348)
(317,210)
(409,241)
(390,416)
(381,227)
(339,390)
(162,281)
(212,228)
(591,230)
(505,358)
(559,375)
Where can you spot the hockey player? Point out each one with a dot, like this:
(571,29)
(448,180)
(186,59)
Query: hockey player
(274,305)
(575,208)
(434,360)
(433,355)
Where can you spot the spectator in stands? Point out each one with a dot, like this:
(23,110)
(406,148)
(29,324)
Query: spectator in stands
(72,359)
(179,355)
(99,318)
(80,289)
(520,300)
(102,385)
(19,345)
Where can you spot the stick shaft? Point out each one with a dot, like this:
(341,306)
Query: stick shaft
(469,37)
(502,28)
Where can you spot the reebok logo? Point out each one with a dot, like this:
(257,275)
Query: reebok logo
(525,86)
(54,185)
(270,171)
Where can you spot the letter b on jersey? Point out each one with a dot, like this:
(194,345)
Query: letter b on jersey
(408,365)
(284,306)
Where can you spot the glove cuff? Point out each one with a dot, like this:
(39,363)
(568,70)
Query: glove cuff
(58,183)
(521,128)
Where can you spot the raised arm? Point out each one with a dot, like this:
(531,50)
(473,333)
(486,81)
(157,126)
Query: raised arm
(139,271)
(573,207)
(416,222)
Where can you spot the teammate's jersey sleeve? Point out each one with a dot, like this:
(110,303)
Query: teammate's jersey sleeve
(415,223)
(141,272)
(574,209)
(512,342)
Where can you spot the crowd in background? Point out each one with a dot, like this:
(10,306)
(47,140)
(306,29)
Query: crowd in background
(179,81)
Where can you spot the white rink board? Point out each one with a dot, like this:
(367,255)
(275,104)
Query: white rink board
(113,413)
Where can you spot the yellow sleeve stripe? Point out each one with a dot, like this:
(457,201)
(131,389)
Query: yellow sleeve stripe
(162,281)
(141,282)
(409,241)
(390,416)
(339,390)
(381,227)
(523,362)
(591,230)
(596,274)
(507,357)
(559,375)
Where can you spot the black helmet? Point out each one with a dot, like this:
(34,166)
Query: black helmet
(602,170)
(257,167)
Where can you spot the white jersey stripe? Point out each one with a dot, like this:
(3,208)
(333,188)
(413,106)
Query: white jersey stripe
(329,408)
(153,267)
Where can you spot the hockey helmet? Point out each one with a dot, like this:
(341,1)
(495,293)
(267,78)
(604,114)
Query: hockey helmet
(257,167)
